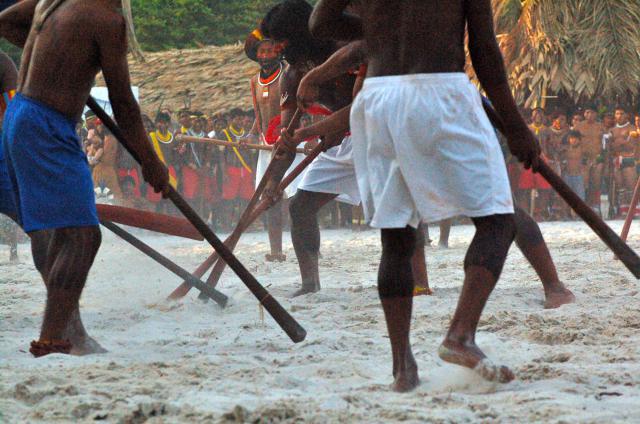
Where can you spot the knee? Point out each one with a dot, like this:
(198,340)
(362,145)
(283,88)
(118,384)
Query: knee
(296,207)
(494,235)
(527,230)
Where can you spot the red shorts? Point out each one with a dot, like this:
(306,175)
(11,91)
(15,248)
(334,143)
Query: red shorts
(154,197)
(190,183)
(133,173)
(529,180)
(239,184)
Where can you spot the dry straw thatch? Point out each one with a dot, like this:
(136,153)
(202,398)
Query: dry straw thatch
(210,79)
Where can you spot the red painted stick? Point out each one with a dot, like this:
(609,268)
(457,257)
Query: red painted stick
(149,221)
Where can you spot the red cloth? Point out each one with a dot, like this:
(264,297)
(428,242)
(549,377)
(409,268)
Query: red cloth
(239,184)
(529,180)
(190,183)
(210,189)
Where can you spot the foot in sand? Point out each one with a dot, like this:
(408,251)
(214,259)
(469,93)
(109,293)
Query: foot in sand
(470,356)
(81,343)
(558,298)
(306,289)
(275,257)
(406,377)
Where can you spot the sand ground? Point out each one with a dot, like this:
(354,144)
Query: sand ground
(193,362)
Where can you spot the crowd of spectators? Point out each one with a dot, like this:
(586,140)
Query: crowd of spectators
(596,152)
(217,181)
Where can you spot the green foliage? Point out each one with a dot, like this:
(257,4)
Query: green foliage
(166,24)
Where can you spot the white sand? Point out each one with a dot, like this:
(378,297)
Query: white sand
(191,361)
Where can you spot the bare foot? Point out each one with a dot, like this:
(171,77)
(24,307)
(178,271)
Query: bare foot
(470,356)
(443,246)
(82,344)
(306,289)
(275,257)
(406,379)
(558,298)
(86,346)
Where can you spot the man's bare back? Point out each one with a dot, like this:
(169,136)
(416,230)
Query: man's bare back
(63,55)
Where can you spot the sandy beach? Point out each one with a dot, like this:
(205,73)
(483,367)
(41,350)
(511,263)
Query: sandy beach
(188,361)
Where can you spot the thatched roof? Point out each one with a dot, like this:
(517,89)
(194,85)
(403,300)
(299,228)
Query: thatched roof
(584,48)
(209,79)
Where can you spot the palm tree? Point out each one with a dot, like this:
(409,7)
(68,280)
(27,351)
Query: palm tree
(580,48)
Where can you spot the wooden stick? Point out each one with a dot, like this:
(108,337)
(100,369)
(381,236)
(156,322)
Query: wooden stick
(628,257)
(159,223)
(279,314)
(264,204)
(631,212)
(208,291)
(184,288)
(188,139)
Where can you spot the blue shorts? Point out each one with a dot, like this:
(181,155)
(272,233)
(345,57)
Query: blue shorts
(49,171)
(7,197)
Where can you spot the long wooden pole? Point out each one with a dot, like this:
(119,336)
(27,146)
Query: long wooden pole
(290,326)
(215,142)
(628,257)
(231,241)
(265,204)
(207,290)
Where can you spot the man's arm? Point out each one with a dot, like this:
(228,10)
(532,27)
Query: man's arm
(489,66)
(329,20)
(111,40)
(15,22)
(343,60)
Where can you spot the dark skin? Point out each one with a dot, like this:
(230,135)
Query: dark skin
(393,32)
(93,36)
(304,206)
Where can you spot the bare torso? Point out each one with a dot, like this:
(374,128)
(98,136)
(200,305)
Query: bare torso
(430,33)
(622,144)
(591,137)
(574,160)
(59,63)
(267,98)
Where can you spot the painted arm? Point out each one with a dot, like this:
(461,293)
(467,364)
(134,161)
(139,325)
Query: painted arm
(339,63)
(329,20)
(111,40)
(489,66)
(15,22)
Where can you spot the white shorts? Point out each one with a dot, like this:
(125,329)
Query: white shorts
(264,158)
(423,147)
(333,172)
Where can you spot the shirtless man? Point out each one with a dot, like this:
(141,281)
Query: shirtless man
(8,83)
(592,132)
(332,174)
(58,209)
(413,127)
(265,91)
(625,142)
(529,238)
